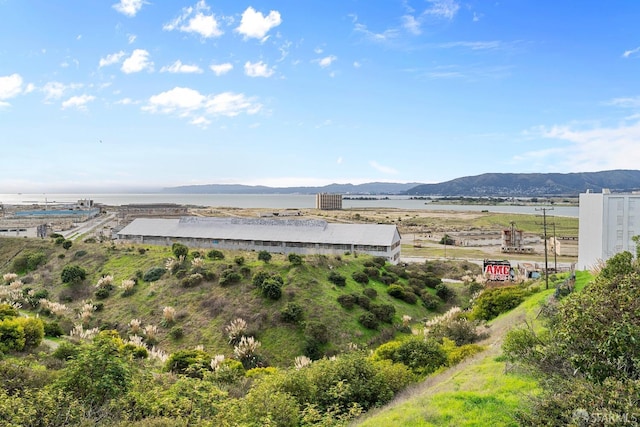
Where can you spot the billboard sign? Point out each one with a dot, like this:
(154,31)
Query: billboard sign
(499,271)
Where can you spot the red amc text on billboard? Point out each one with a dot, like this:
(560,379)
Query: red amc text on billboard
(497,270)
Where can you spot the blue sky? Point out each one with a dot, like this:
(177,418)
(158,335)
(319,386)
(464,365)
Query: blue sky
(111,96)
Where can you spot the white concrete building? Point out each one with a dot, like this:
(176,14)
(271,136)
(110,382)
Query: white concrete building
(607,224)
(272,235)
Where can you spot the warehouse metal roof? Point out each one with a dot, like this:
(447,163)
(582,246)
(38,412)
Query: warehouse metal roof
(289,230)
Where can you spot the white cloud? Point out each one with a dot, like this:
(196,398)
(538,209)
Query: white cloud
(327,61)
(488,45)
(625,102)
(138,61)
(257,69)
(198,108)
(196,20)
(380,168)
(202,122)
(591,149)
(129,7)
(112,58)
(629,53)
(125,101)
(255,25)
(385,36)
(79,102)
(179,67)
(220,69)
(339,160)
(56,90)
(443,8)
(411,24)
(356,64)
(10,86)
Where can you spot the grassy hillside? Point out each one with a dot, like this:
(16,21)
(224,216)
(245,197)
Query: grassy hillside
(203,311)
(480,391)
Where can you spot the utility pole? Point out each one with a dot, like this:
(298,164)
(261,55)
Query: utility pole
(546,260)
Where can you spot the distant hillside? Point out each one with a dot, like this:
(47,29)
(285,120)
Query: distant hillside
(368,188)
(532,184)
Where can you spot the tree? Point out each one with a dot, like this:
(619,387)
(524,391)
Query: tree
(73,274)
(179,250)
(264,256)
(99,372)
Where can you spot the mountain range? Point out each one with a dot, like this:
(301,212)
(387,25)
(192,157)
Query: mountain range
(488,184)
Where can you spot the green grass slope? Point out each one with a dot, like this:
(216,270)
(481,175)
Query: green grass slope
(479,392)
(203,311)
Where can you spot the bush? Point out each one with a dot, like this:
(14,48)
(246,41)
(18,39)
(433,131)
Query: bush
(372,272)
(444,292)
(370,292)
(80,254)
(409,297)
(360,277)
(272,288)
(7,312)
(431,280)
(429,300)
(388,278)
(73,274)
(292,313)
(66,351)
(493,302)
(337,279)
(67,244)
(28,261)
(239,260)
(176,332)
(317,331)
(422,356)
(347,301)
(192,280)
(179,250)
(192,363)
(153,274)
(102,293)
(379,261)
(215,254)
(259,278)
(53,329)
(384,312)
(396,291)
(368,320)
(295,259)
(362,300)
(264,256)
(11,335)
(229,277)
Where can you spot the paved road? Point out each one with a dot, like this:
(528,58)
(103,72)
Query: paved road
(83,228)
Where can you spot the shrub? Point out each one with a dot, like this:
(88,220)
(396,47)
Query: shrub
(239,260)
(73,274)
(384,312)
(192,280)
(362,300)
(360,277)
(368,320)
(422,356)
(444,292)
(153,274)
(337,279)
(272,288)
(347,301)
(295,259)
(192,363)
(215,254)
(264,256)
(179,250)
(259,278)
(102,293)
(7,312)
(388,278)
(396,291)
(379,261)
(66,351)
(11,335)
(429,300)
(493,302)
(80,254)
(28,261)
(60,240)
(229,277)
(292,312)
(409,297)
(53,329)
(67,244)
(176,332)
(372,272)
(370,292)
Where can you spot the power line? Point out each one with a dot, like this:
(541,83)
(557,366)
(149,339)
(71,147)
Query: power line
(546,260)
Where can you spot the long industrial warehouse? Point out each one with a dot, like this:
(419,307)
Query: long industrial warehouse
(273,235)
